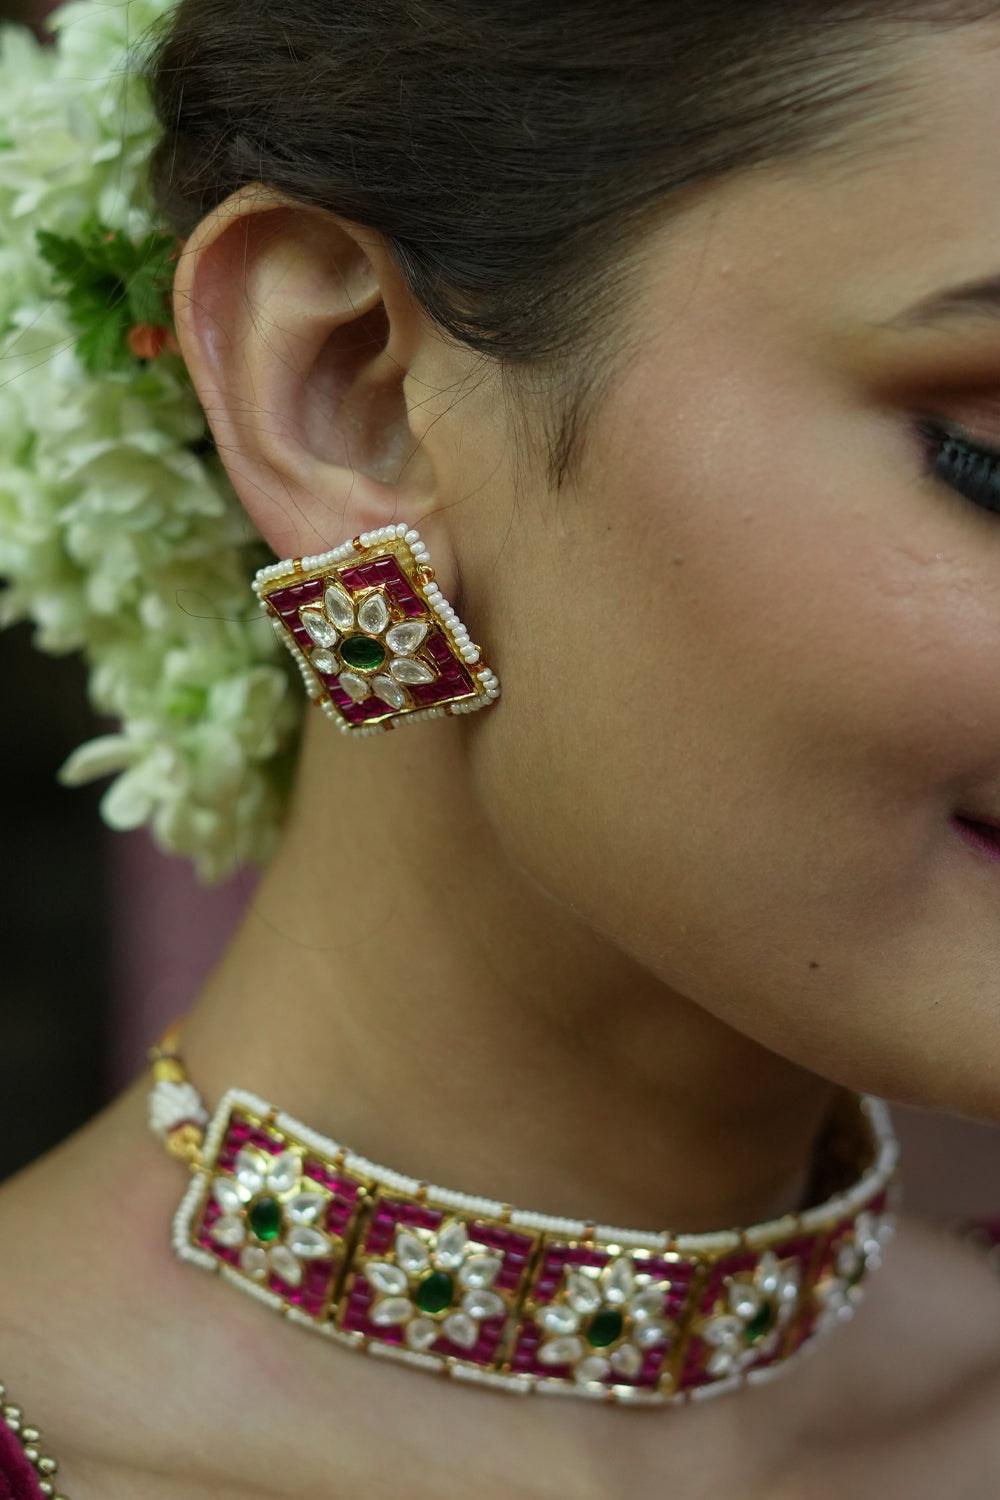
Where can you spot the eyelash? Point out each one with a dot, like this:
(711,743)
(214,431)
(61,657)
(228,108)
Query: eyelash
(966,467)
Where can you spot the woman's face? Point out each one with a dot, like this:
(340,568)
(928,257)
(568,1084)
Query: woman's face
(751,656)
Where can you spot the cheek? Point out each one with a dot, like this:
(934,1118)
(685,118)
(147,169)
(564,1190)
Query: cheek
(740,689)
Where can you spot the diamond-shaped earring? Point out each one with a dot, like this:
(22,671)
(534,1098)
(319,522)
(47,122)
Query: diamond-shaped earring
(376,641)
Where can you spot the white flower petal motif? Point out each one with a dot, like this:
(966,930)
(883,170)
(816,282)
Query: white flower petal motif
(403,640)
(618,1281)
(594,1367)
(421,1333)
(389,691)
(354,686)
(561,1351)
(722,1330)
(229,1231)
(627,1361)
(461,1330)
(411,1253)
(305,1208)
(284,1263)
(373,615)
(251,1170)
(583,1294)
(405,669)
(559,1319)
(483,1305)
(318,628)
(325,661)
(339,606)
(229,1194)
(284,1172)
(254,1262)
(450,1246)
(310,1244)
(391,1311)
(390,1280)
(480,1271)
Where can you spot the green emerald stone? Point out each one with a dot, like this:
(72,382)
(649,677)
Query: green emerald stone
(361,651)
(761,1323)
(435,1292)
(605,1328)
(265,1218)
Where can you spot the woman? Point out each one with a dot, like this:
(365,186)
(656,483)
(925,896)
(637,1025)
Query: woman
(673,333)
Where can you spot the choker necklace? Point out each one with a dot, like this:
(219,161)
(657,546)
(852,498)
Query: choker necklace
(521,1302)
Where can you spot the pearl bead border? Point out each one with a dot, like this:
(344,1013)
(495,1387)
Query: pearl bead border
(877,1178)
(487,681)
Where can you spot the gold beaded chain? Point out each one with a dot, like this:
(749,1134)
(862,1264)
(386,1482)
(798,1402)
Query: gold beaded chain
(30,1438)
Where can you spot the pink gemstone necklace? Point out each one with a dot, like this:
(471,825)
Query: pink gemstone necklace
(517,1301)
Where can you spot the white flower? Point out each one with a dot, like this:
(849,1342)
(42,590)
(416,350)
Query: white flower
(270,1216)
(603,1322)
(116,539)
(840,1293)
(418,1288)
(360,643)
(760,1305)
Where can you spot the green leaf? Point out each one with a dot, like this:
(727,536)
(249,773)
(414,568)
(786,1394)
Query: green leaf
(110,284)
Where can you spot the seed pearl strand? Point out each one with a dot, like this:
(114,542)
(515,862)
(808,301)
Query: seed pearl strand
(29,1438)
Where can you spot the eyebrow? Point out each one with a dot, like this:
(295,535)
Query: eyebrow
(970,299)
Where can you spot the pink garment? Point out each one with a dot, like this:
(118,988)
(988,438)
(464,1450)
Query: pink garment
(18,1480)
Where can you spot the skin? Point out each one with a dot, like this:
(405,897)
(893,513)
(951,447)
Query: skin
(693,872)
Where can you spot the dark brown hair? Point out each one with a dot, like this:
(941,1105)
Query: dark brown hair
(510,152)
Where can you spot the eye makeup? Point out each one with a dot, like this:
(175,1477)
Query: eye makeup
(970,469)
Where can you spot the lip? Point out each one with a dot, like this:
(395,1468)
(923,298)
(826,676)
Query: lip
(982,833)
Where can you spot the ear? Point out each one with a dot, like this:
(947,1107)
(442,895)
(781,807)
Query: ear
(298,333)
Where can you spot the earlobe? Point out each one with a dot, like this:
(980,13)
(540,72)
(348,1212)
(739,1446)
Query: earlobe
(282,314)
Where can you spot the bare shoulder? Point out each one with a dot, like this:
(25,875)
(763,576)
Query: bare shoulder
(908,1407)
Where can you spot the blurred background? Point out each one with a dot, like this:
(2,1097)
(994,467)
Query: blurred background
(104,941)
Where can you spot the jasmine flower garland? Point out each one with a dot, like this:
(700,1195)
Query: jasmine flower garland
(120,533)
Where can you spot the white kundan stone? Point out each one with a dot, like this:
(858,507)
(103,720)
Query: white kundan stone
(338,605)
(450,1248)
(354,686)
(626,1360)
(250,1168)
(421,1333)
(253,1261)
(318,627)
(285,1264)
(619,1282)
(227,1195)
(392,1311)
(387,1279)
(584,1295)
(373,616)
(309,1243)
(743,1300)
(404,669)
(229,1231)
(389,691)
(411,1253)
(305,1208)
(483,1304)
(323,661)
(283,1173)
(404,639)
(651,1334)
(480,1271)
(561,1352)
(558,1318)
(594,1367)
(648,1303)
(461,1330)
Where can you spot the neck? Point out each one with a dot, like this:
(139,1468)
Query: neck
(400,985)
